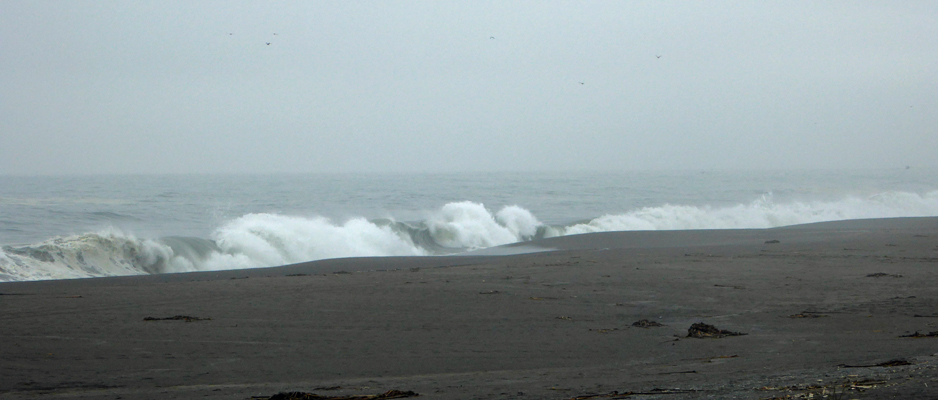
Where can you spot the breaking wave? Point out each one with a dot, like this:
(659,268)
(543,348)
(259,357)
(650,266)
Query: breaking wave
(264,240)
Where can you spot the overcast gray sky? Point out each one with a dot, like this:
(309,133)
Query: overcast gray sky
(194,87)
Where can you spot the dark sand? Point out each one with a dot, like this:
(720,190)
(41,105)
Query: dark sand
(548,325)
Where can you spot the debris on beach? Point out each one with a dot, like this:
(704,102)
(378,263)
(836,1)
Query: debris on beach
(644,323)
(807,314)
(922,335)
(177,318)
(391,394)
(622,395)
(823,390)
(883,275)
(610,395)
(894,363)
(891,363)
(701,330)
(678,372)
(710,359)
(489,292)
(773,241)
(730,286)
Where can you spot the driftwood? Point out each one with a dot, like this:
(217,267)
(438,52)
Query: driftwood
(623,395)
(391,394)
(891,363)
(922,335)
(883,275)
(807,314)
(177,318)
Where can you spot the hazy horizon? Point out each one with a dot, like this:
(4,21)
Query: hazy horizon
(408,87)
(678,171)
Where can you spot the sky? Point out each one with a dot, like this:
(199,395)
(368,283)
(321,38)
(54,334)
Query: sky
(102,87)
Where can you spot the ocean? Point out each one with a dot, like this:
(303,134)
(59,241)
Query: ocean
(68,227)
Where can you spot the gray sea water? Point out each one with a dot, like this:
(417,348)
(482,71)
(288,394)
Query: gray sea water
(87,226)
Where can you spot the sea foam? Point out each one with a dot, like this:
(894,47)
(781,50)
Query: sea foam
(265,239)
(763,213)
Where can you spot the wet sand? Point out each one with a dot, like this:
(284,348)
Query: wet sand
(821,306)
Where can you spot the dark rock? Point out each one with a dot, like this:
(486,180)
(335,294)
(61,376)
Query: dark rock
(702,330)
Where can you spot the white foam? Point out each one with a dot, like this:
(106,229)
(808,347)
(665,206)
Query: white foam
(259,240)
(520,222)
(263,240)
(468,225)
(106,253)
(763,213)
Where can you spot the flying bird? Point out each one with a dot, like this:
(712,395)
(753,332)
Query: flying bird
(491,37)
(657,56)
(268,43)
(581,83)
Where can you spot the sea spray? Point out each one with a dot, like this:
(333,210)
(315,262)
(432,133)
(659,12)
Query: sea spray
(763,213)
(520,222)
(269,239)
(107,253)
(468,225)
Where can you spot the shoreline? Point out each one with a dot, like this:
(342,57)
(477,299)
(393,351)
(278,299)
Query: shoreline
(554,324)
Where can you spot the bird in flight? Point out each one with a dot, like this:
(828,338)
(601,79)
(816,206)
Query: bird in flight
(491,37)
(268,43)
(657,56)
(581,83)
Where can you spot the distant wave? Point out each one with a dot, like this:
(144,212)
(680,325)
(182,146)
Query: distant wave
(264,240)
(764,213)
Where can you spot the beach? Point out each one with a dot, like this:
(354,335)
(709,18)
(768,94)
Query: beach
(820,308)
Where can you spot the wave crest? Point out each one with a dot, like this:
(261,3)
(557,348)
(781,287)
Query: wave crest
(763,213)
(107,253)
(263,240)
(271,239)
(468,225)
